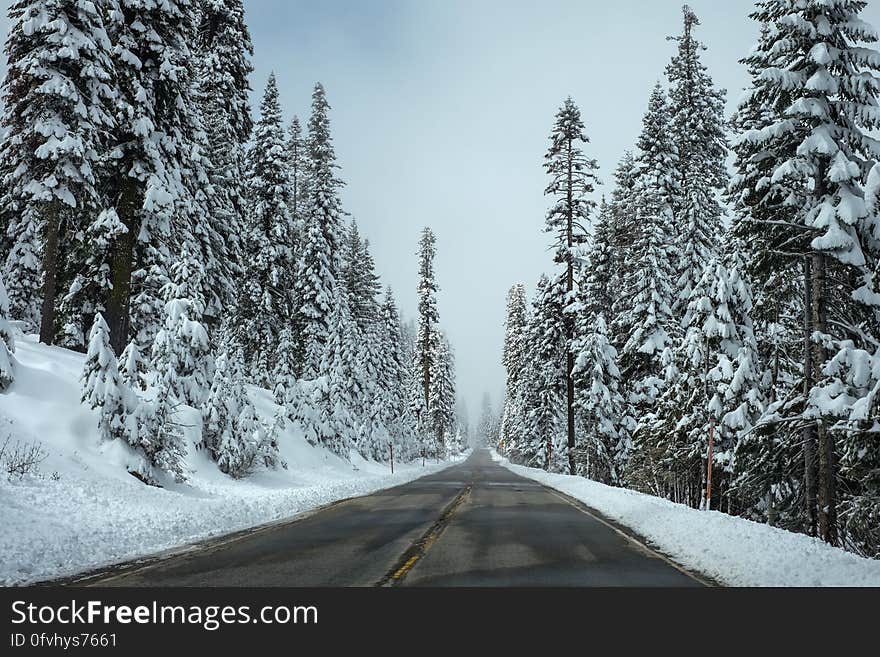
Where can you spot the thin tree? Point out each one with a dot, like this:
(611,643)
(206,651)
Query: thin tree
(572,179)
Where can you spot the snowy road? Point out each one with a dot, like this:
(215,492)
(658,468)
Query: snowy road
(473,524)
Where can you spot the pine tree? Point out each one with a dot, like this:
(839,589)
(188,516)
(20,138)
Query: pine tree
(297,156)
(544,438)
(321,262)
(716,388)
(596,274)
(621,224)
(91,284)
(514,359)
(442,393)
(823,146)
(133,368)
(151,182)
(697,128)
(266,301)
(7,342)
(487,420)
(645,324)
(426,341)
(102,386)
(337,423)
(56,97)
(230,430)
(602,442)
(392,375)
(775,465)
(572,179)
(224,48)
(181,352)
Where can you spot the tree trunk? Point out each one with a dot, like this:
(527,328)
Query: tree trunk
(809,435)
(567,321)
(50,274)
(827,502)
(122,264)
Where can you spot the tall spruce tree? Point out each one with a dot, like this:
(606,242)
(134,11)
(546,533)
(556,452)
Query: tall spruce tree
(572,179)
(427,338)
(150,181)
(823,146)
(697,127)
(224,48)
(514,359)
(265,302)
(645,323)
(321,261)
(57,96)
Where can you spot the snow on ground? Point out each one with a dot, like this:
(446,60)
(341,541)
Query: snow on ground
(85,511)
(731,550)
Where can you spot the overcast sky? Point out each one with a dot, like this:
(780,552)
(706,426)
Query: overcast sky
(441,113)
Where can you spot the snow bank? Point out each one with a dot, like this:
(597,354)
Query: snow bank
(731,550)
(85,511)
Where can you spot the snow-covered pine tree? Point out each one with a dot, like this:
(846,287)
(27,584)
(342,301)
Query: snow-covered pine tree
(230,430)
(514,358)
(821,65)
(152,183)
(298,161)
(644,323)
(56,97)
(698,130)
(224,48)
(359,276)
(337,423)
(442,394)
(265,304)
(602,439)
(716,387)
(597,271)
(284,374)
(426,341)
(544,437)
(621,224)
(7,342)
(181,353)
(225,51)
(572,180)
(775,467)
(321,261)
(102,387)
(90,286)
(133,368)
(391,378)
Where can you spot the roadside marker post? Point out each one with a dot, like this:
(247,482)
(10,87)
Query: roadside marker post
(391,445)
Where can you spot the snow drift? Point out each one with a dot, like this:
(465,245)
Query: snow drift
(83,509)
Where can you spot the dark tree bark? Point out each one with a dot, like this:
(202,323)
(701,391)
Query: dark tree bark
(122,265)
(50,275)
(809,434)
(568,321)
(827,493)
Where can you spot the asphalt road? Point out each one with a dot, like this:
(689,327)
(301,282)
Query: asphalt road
(473,524)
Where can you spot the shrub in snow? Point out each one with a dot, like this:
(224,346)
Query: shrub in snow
(102,386)
(181,352)
(231,432)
